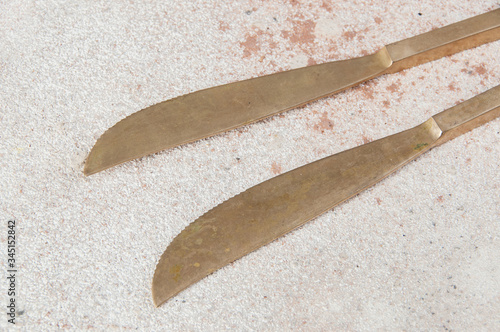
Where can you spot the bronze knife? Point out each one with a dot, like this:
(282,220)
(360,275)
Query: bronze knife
(274,207)
(208,112)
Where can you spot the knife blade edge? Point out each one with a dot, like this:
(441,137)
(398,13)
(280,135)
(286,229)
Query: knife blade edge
(274,207)
(170,272)
(211,111)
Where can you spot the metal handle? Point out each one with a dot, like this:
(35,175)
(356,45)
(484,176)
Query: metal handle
(445,41)
(468,115)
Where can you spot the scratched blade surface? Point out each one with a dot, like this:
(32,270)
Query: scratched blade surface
(277,206)
(208,112)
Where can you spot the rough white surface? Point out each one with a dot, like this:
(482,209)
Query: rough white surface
(418,251)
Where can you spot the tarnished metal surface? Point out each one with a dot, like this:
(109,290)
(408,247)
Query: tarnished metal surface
(277,206)
(445,41)
(211,111)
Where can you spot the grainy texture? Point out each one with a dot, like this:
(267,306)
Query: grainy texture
(418,251)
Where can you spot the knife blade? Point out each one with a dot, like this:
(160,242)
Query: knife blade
(211,111)
(272,208)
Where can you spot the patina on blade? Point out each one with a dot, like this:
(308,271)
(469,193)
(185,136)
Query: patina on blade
(277,206)
(215,110)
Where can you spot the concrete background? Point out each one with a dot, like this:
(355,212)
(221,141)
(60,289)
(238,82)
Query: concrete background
(418,251)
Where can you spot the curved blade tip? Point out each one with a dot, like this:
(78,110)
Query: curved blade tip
(90,167)
(103,155)
(93,164)
(159,292)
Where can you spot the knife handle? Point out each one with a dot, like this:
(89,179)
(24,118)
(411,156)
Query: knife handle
(468,115)
(444,41)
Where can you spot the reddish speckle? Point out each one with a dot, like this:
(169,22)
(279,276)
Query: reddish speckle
(250,46)
(476,70)
(362,36)
(393,87)
(480,70)
(386,103)
(275,168)
(452,87)
(365,139)
(324,123)
(311,62)
(303,32)
(256,40)
(332,50)
(378,20)
(379,201)
(326,6)
(440,199)
(367,91)
(349,35)
(223,26)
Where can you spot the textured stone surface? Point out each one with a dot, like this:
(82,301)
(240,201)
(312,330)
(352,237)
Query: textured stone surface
(418,251)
